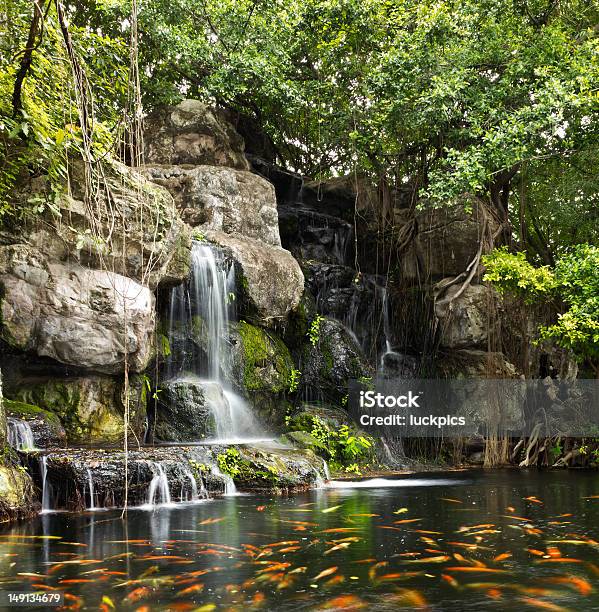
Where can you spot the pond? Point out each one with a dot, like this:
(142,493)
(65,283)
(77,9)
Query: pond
(468,540)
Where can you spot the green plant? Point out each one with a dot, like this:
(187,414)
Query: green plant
(294,380)
(572,286)
(340,445)
(232,463)
(314,331)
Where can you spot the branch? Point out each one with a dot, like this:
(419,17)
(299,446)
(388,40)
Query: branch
(35,31)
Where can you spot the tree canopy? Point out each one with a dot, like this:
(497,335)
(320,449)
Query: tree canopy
(496,98)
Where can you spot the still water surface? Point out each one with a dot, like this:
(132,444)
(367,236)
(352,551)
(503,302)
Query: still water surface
(475,540)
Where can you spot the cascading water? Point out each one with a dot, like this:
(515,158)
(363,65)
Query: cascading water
(90,486)
(158,491)
(200,310)
(20,435)
(194,487)
(230,488)
(45,484)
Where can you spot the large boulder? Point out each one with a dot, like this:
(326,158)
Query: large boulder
(185,410)
(91,409)
(192,133)
(271,279)
(466,363)
(446,239)
(131,226)
(330,361)
(88,318)
(464,321)
(17,494)
(223,199)
(263,369)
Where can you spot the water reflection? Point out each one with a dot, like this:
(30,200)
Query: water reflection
(478,540)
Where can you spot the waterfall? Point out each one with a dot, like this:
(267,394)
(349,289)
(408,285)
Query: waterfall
(319,482)
(20,435)
(194,486)
(325,467)
(200,311)
(45,484)
(230,488)
(92,497)
(158,491)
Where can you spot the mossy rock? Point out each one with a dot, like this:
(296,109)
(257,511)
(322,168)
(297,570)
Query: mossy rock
(28,412)
(45,426)
(17,494)
(270,470)
(91,409)
(329,361)
(266,361)
(305,440)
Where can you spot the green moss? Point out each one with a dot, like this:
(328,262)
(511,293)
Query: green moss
(86,408)
(267,361)
(28,411)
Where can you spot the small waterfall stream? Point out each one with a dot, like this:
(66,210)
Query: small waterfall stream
(158,491)
(90,485)
(200,309)
(230,488)
(194,487)
(20,434)
(45,484)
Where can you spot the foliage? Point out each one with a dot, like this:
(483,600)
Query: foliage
(343,445)
(39,136)
(294,380)
(314,331)
(497,98)
(512,272)
(230,462)
(573,285)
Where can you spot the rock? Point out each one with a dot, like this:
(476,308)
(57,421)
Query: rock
(399,365)
(259,468)
(192,133)
(261,359)
(446,240)
(272,282)
(341,195)
(333,417)
(138,233)
(314,236)
(88,318)
(45,426)
(262,369)
(90,408)
(329,364)
(357,300)
(222,199)
(464,322)
(477,458)
(185,410)
(465,363)
(288,185)
(17,494)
